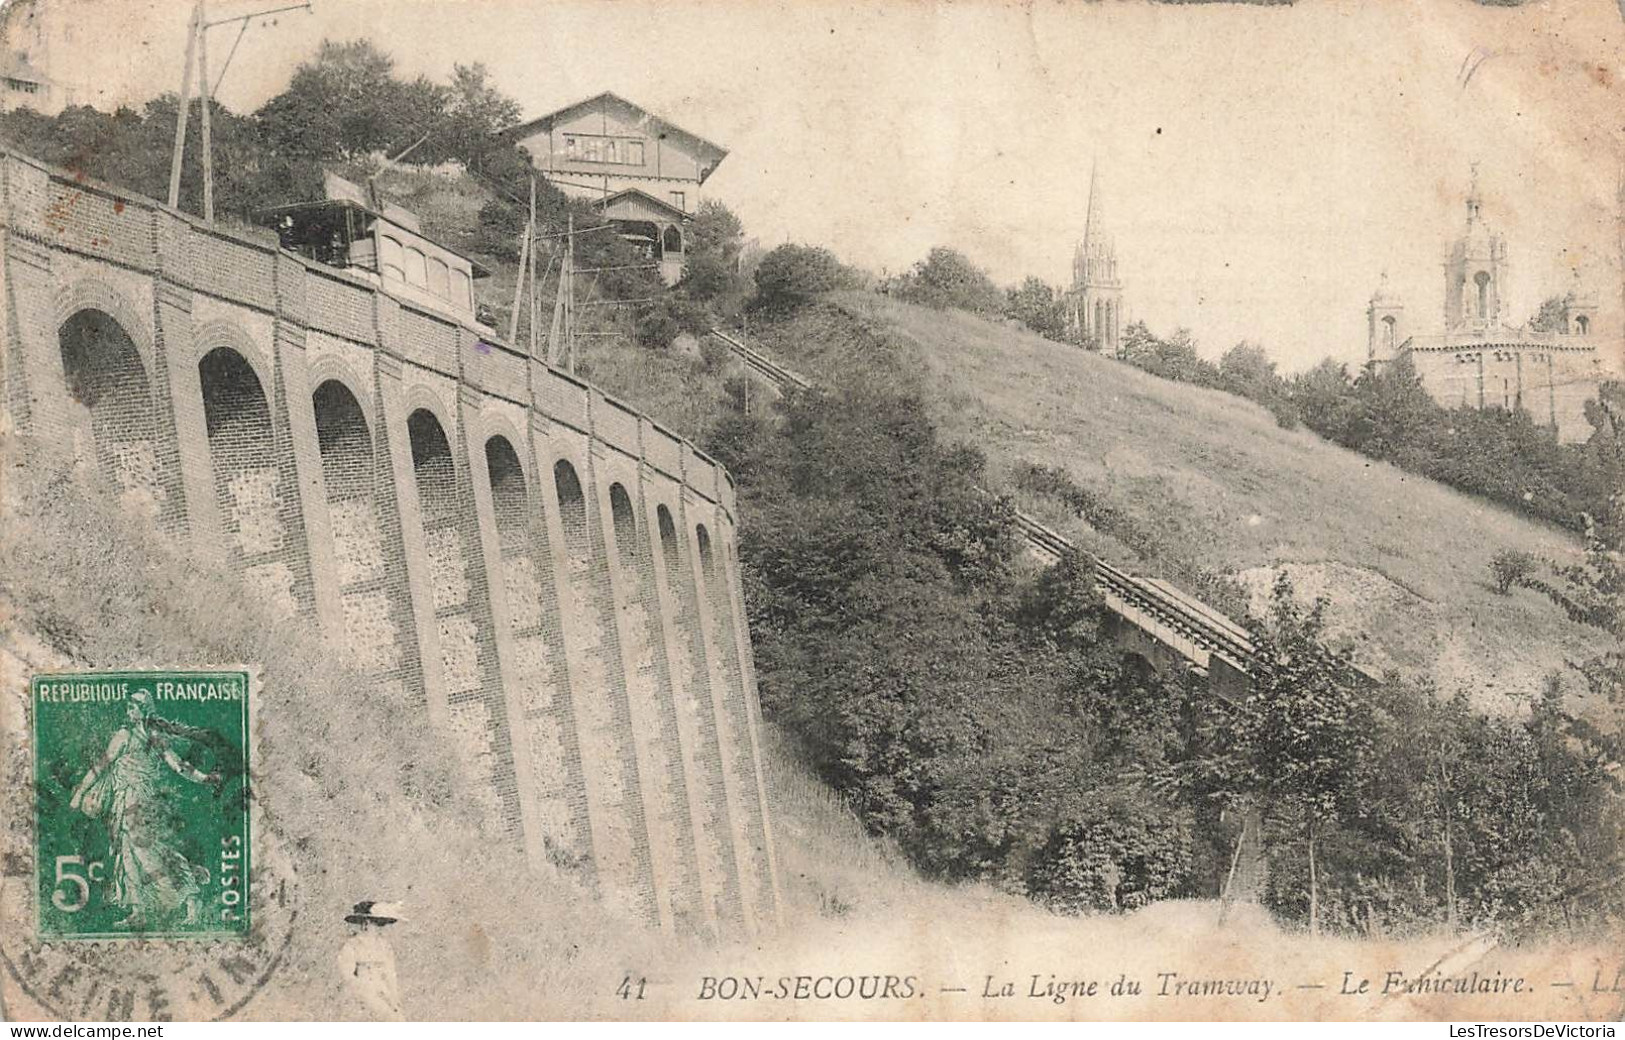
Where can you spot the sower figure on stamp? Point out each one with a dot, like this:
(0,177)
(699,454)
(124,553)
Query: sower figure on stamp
(367,962)
(151,877)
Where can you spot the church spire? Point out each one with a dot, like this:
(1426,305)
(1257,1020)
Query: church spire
(1095,259)
(1095,301)
(1091,222)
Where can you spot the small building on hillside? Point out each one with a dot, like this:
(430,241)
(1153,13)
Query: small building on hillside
(380,241)
(1477,358)
(643,172)
(25,58)
(653,226)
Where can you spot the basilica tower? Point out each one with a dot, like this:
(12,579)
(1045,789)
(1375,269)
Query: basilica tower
(1477,357)
(1094,308)
(1385,324)
(1475,273)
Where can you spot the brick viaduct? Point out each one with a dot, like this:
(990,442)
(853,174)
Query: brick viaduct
(547,576)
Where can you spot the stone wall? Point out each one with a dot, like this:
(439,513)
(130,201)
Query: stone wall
(1551,381)
(545,576)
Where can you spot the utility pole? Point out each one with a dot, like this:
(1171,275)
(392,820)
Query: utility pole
(202,19)
(185,110)
(197,54)
(531,231)
(524,262)
(569,291)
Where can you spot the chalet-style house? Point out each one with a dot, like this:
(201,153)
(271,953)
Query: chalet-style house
(642,172)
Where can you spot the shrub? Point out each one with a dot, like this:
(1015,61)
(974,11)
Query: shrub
(660,321)
(792,274)
(1040,307)
(947,278)
(1116,855)
(1512,567)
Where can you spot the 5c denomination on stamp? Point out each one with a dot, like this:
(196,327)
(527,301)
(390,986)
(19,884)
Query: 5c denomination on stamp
(141,805)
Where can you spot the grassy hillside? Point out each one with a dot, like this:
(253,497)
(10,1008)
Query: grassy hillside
(357,798)
(1205,484)
(1207,481)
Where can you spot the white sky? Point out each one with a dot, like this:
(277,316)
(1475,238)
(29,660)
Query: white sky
(1260,167)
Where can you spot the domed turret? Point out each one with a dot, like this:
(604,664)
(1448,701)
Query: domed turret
(1579,308)
(1475,271)
(1385,319)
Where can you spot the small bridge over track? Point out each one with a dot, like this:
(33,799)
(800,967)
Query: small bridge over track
(1156,619)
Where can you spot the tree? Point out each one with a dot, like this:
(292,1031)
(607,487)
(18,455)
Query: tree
(711,270)
(1247,371)
(475,115)
(1324,398)
(1038,305)
(1600,468)
(342,105)
(791,274)
(947,278)
(1553,315)
(1592,592)
(1397,416)
(1137,345)
(1176,358)
(1297,739)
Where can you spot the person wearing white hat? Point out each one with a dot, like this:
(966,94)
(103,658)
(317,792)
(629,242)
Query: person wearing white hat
(367,963)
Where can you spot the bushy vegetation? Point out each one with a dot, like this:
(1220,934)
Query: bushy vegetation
(954,702)
(948,278)
(342,108)
(1039,306)
(790,275)
(1385,413)
(711,272)
(1390,808)
(980,714)
(1512,567)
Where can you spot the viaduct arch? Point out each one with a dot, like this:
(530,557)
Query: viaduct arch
(546,576)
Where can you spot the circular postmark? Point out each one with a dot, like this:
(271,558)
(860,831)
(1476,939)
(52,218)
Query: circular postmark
(139,979)
(112,904)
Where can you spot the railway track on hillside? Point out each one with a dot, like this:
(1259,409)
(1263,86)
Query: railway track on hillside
(1211,631)
(1158,603)
(763,365)
(1192,628)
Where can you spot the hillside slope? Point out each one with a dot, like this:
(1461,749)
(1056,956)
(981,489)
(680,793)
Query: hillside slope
(1206,483)
(359,798)
(1211,483)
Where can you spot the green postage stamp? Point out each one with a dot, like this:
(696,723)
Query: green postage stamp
(141,804)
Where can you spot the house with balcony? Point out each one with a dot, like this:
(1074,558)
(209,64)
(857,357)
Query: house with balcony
(641,171)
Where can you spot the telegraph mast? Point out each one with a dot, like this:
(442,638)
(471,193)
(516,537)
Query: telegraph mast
(197,57)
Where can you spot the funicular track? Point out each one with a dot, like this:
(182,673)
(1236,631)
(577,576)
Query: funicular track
(1173,618)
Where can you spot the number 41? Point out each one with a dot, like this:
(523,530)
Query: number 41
(625,989)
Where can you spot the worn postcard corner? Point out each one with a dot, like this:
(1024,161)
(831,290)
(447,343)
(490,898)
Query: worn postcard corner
(792,511)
